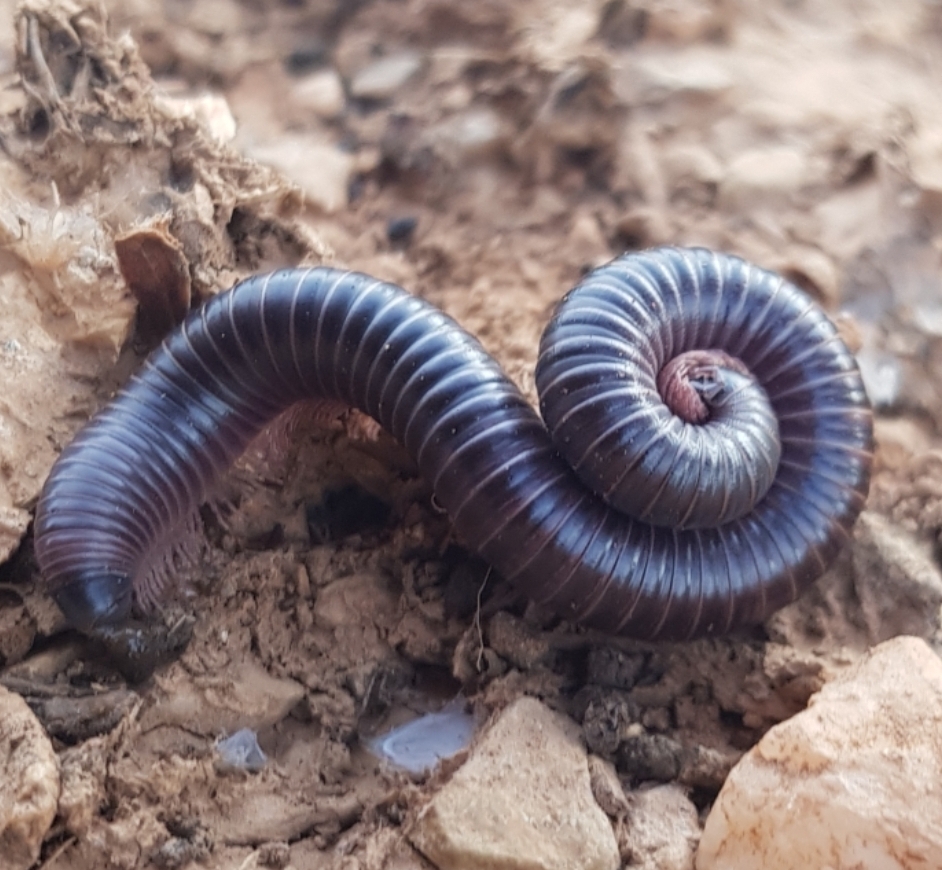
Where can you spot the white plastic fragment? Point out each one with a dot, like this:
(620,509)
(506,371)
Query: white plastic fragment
(240,751)
(420,744)
(382,78)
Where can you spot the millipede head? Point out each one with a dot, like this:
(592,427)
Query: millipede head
(92,600)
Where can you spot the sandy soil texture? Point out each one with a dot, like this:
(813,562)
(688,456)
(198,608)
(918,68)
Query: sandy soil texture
(483,155)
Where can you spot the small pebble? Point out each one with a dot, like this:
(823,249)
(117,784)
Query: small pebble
(642,227)
(521,644)
(322,171)
(661,830)
(882,376)
(689,167)
(274,855)
(607,788)
(656,78)
(399,230)
(320,93)
(656,719)
(180,852)
(382,78)
(614,668)
(704,767)
(305,58)
(763,177)
(925,159)
(646,756)
(610,718)
(256,699)
(474,132)
(813,271)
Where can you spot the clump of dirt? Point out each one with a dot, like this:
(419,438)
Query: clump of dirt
(484,155)
(108,185)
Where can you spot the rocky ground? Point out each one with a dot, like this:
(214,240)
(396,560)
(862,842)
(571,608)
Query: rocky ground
(483,155)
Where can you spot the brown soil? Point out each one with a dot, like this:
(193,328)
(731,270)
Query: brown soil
(532,141)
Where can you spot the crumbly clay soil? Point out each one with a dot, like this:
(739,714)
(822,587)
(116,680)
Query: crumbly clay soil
(154,153)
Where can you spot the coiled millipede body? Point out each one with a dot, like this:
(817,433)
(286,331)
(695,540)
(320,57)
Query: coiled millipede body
(717,432)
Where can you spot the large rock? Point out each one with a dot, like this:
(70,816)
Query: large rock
(523,801)
(29,783)
(853,781)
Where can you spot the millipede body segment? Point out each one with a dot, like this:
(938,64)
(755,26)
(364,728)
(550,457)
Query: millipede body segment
(716,434)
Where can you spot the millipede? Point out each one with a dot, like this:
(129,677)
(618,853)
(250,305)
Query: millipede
(707,447)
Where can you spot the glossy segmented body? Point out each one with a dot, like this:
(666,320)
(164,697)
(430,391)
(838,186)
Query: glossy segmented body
(151,455)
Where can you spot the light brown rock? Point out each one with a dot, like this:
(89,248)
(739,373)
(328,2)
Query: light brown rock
(655,78)
(321,93)
(925,159)
(381,79)
(763,176)
(242,695)
(687,21)
(210,111)
(813,270)
(258,817)
(558,36)
(321,170)
(607,788)
(474,132)
(13,523)
(684,163)
(523,801)
(661,830)
(82,771)
(29,783)
(853,781)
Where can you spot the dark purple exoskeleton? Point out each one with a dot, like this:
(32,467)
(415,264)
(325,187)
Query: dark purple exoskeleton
(704,520)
